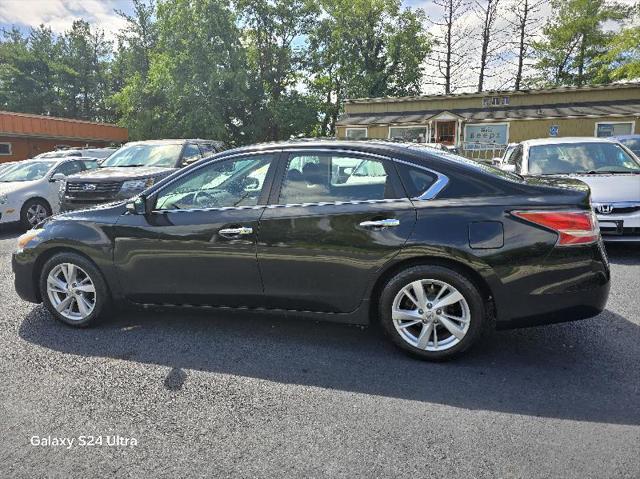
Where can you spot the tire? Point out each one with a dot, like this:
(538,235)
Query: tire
(412,329)
(96,303)
(36,206)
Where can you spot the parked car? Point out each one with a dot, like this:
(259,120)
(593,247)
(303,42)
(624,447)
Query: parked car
(97,153)
(29,190)
(5,166)
(133,168)
(610,169)
(630,141)
(438,251)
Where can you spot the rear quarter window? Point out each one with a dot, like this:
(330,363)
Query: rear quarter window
(415,180)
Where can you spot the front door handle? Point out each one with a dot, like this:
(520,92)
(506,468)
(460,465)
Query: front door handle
(388,223)
(242,230)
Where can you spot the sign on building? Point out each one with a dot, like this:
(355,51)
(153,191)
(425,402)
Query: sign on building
(486,137)
(554,130)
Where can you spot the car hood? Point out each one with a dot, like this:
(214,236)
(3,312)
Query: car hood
(13,186)
(120,173)
(613,188)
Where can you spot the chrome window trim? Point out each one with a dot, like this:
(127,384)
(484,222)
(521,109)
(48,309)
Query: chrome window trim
(430,194)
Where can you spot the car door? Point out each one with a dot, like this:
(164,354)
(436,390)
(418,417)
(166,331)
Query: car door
(53,193)
(198,244)
(329,229)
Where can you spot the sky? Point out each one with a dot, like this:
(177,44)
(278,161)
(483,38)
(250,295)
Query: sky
(59,14)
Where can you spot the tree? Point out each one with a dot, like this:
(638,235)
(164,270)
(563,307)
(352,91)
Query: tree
(273,31)
(487,10)
(621,61)
(449,56)
(524,22)
(365,48)
(196,79)
(574,40)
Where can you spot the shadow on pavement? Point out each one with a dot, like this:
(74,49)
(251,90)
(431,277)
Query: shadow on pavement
(623,253)
(585,371)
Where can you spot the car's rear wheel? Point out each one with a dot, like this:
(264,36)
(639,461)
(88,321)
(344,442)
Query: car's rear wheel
(73,289)
(432,312)
(33,212)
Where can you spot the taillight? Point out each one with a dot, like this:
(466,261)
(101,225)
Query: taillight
(573,227)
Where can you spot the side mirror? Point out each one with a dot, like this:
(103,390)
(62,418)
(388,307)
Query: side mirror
(57,177)
(348,171)
(509,168)
(137,205)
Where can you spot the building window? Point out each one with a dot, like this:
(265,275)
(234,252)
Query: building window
(615,128)
(356,133)
(408,133)
(5,149)
(505,100)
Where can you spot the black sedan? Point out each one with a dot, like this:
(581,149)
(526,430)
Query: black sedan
(431,245)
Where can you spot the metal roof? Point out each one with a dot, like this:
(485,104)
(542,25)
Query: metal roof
(558,110)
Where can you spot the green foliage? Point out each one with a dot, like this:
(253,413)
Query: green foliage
(575,41)
(365,48)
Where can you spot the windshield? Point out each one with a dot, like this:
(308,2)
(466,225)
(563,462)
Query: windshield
(633,144)
(144,155)
(580,158)
(27,171)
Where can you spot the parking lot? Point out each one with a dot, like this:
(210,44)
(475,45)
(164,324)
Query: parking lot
(242,395)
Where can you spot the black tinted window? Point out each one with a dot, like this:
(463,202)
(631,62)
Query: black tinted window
(70,167)
(415,180)
(311,178)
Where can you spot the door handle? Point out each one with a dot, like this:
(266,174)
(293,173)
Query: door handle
(242,230)
(388,223)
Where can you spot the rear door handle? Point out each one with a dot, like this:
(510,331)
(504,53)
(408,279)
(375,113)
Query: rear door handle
(242,230)
(388,223)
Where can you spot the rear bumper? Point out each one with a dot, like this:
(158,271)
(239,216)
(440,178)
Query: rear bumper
(571,284)
(561,308)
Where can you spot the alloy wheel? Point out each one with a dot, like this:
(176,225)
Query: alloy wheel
(431,315)
(71,291)
(36,213)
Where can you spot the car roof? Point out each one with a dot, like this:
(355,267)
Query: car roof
(567,139)
(625,137)
(418,152)
(174,141)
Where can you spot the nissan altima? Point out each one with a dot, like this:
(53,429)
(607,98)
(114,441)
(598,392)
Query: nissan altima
(434,247)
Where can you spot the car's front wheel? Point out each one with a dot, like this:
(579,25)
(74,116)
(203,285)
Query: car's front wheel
(33,212)
(73,289)
(432,312)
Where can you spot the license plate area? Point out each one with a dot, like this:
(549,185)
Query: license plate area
(611,227)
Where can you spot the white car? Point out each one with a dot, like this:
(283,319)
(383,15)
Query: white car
(611,170)
(30,189)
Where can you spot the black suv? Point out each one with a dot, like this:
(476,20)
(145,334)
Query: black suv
(131,169)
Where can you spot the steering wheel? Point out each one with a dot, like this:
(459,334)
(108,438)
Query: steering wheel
(204,199)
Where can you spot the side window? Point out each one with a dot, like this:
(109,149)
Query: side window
(331,178)
(69,168)
(237,182)
(415,180)
(191,153)
(208,149)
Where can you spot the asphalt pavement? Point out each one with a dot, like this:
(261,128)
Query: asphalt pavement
(247,395)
